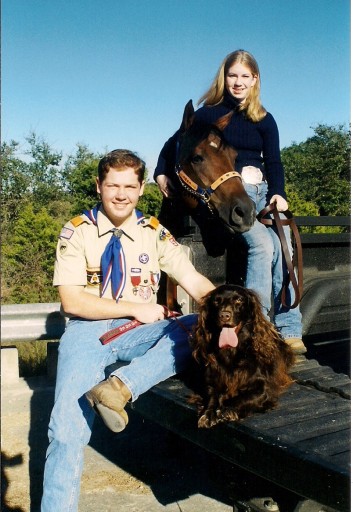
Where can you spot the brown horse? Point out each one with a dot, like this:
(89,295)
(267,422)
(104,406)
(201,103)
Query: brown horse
(205,168)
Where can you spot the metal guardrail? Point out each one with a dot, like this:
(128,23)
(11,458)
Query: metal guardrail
(30,322)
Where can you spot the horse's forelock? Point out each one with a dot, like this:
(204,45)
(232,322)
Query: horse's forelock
(197,132)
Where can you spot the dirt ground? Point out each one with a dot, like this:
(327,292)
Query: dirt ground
(145,465)
(143,469)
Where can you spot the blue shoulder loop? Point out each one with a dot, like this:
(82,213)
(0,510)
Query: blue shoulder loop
(92,214)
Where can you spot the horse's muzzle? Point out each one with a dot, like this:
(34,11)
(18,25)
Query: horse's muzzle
(241,217)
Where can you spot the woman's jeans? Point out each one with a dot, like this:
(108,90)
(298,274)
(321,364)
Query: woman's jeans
(266,266)
(155,352)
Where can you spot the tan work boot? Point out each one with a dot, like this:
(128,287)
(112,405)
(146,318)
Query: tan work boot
(108,398)
(296,344)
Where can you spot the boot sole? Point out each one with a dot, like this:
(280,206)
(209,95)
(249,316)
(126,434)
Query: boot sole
(116,422)
(112,419)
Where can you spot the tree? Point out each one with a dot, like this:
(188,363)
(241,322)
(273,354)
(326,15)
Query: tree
(298,205)
(15,183)
(43,171)
(79,174)
(28,257)
(151,201)
(319,169)
(40,193)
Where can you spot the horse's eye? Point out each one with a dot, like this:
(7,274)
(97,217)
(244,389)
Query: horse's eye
(197,159)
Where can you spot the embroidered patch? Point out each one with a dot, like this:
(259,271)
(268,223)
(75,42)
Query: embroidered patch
(63,247)
(164,234)
(94,277)
(145,292)
(152,222)
(77,221)
(173,241)
(144,258)
(66,233)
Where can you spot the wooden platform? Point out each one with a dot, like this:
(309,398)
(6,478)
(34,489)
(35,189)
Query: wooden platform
(303,445)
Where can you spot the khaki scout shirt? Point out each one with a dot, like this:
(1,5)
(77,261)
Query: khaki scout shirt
(147,249)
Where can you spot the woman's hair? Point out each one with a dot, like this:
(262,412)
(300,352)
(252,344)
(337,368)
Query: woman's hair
(121,159)
(252,105)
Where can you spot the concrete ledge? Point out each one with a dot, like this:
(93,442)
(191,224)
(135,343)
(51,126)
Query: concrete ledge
(9,366)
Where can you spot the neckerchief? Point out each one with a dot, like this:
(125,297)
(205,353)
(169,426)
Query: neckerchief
(113,258)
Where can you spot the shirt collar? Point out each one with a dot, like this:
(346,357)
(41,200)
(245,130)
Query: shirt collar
(104,225)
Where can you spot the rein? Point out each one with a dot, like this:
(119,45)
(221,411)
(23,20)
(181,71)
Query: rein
(204,194)
(298,256)
(118,331)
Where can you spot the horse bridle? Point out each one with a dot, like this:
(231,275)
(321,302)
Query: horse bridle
(204,194)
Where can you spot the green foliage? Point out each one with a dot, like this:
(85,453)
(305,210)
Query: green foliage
(40,192)
(298,205)
(14,180)
(79,174)
(28,258)
(151,201)
(43,171)
(319,169)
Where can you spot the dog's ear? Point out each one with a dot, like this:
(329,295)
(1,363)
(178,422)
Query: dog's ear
(254,306)
(204,308)
(265,336)
(202,336)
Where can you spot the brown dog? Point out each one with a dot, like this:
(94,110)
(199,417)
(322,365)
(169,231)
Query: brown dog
(243,359)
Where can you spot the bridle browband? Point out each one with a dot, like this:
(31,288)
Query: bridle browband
(204,194)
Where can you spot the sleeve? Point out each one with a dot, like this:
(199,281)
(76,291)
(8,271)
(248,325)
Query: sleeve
(167,158)
(70,263)
(173,257)
(272,157)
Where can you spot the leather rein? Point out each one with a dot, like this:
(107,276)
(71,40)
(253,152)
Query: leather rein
(204,194)
(114,333)
(297,261)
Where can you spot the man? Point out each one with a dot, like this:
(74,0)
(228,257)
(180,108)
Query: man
(107,270)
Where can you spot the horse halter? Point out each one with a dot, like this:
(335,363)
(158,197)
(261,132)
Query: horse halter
(204,194)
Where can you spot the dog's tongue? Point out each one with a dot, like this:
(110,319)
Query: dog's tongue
(228,337)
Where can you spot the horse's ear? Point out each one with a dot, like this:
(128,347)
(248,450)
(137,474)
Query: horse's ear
(188,116)
(223,121)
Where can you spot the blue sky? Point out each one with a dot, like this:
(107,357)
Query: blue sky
(117,73)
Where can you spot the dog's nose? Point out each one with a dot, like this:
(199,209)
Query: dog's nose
(224,316)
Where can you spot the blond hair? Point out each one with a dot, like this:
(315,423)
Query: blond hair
(252,105)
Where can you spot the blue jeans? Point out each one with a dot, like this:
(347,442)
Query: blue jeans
(265,268)
(155,352)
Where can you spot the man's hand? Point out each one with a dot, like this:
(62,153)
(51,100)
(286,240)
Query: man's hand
(148,313)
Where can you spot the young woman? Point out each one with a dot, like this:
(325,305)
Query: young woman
(254,133)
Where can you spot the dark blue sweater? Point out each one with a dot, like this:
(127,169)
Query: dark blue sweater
(257,144)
